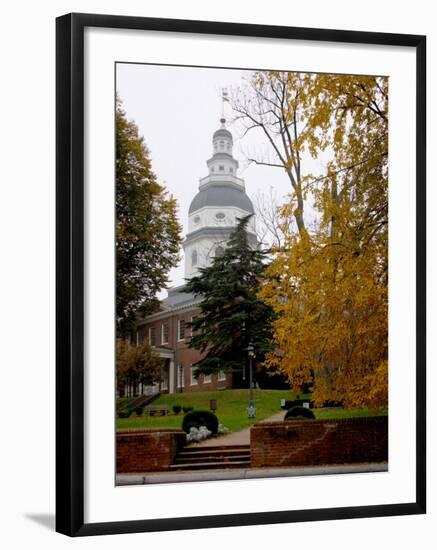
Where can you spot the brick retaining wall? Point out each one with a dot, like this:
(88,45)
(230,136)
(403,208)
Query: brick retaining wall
(317,442)
(147,450)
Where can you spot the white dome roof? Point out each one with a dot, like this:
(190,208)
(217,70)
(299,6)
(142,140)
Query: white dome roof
(221,195)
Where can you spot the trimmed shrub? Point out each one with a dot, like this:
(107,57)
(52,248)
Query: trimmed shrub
(139,411)
(177,409)
(196,419)
(299,413)
(187,409)
(124,413)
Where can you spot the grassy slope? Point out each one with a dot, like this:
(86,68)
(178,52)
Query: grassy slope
(231,409)
(337,412)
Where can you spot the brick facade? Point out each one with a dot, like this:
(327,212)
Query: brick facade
(147,450)
(319,442)
(182,355)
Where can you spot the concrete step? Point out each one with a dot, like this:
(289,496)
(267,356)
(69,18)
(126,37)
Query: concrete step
(212,459)
(213,452)
(195,449)
(210,465)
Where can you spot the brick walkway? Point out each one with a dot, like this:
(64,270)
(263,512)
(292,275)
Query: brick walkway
(238,438)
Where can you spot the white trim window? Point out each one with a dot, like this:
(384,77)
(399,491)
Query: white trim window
(180,376)
(164,333)
(164,382)
(193,379)
(152,336)
(221,376)
(181,330)
(207,379)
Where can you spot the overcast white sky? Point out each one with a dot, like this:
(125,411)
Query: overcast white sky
(177,109)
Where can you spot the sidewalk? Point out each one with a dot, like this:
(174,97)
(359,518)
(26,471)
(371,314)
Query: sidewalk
(237,438)
(253,473)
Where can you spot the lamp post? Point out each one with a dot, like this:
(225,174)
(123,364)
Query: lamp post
(251,410)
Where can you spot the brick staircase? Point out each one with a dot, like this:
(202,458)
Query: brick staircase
(214,457)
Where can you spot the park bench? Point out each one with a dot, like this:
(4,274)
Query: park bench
(157,409)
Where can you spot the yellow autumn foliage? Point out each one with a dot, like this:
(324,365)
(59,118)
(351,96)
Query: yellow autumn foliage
(328,285)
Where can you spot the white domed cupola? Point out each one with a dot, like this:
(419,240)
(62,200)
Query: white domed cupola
(222,141)
(222,163)
(215,210)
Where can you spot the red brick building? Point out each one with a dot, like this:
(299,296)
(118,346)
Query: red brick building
(169,333)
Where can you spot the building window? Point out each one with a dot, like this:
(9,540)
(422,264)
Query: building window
(222,145)
(221,168)
(138,338)
(220,216)
(152,336)
(164,383)
(193,379)
(164,333)
(181,329)
(196,219)
(207,379)
(221,376)
(219,251)
(194,258)
(212,169)
(231,169)
(180,376)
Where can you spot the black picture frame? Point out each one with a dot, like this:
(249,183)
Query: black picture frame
(70,273)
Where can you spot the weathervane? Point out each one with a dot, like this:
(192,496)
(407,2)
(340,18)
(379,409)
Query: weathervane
(225,98)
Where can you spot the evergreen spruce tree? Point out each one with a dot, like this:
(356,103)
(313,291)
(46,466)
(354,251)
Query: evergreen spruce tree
(232,315)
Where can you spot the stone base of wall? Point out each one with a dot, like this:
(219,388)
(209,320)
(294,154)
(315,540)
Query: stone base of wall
(319,442)
(147,450)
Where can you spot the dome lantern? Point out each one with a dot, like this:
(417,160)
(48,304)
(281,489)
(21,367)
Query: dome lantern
(222,162)
(222,141)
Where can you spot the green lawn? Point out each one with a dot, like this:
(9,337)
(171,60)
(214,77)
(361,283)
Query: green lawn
(338,412)
(231,409)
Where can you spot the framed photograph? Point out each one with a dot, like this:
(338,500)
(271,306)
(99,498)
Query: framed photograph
(240,274)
